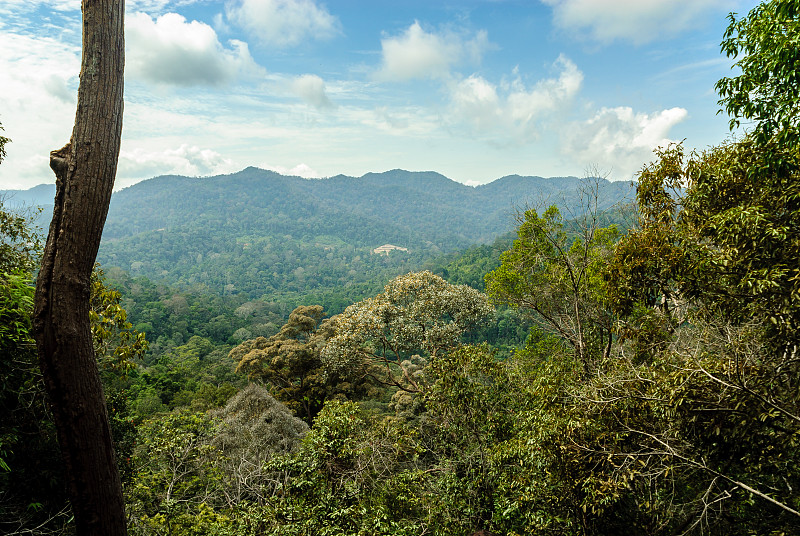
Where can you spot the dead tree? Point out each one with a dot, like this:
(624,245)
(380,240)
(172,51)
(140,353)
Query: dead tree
(85,169)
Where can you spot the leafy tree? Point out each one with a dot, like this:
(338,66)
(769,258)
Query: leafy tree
(724,368)
(418,312)
(32,491)
(21,245)
(645,273)
(175,473)
(743,209)
(290,361)
(471,413)
(3,142)
(351,475)
(766,45)
(117,345)
(721,393)
(557,275)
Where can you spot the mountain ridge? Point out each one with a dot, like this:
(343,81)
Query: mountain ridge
(42,194)
(260,232)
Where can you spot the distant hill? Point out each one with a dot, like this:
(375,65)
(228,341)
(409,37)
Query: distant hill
(41,195)
(418,208)
(263,233)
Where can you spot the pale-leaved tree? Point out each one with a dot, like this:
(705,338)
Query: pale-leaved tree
(390,336)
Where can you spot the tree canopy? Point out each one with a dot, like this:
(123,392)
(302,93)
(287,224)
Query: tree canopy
(766,45)
(416,313)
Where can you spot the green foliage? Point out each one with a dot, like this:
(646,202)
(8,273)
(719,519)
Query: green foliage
(32,490)
(557,276)
(174,464)
(290,361)
(729,249)
(116,344)
(3,142)
(649,262)
(416,313)
(743,208)
(16,305)
(508,329)
(766,44)
(469,266)
(351,476)
(194,375)
(702,414)
(20,243)
(471,415)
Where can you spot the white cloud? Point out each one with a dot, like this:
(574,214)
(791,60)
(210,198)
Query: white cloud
(638,21)
(147,6)
(420,54)
(311,88)
(476,101)
(300,170)
(283,23)
(170,50)
(414,122)
(390,120)
(191,160)
(619,140)
(11,6)
(39,81)
(548,95)
(512,110)
(57,86)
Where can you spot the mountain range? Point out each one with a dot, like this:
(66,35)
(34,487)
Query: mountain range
(257,231)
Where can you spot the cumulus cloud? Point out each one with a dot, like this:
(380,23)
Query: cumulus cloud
(619,140)
(138,163)
(476,101)
(311,89)
(300,170)
(420,54)
(171,50)
(39,81)
(513,109)
(283,23)
(57,86)
(549,94)
(633,20)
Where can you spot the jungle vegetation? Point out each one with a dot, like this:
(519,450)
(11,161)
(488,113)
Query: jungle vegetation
(594,373)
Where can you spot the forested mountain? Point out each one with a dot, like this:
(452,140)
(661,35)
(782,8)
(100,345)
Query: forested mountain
(611,372)
(41,195)
(266,234)
(423,209)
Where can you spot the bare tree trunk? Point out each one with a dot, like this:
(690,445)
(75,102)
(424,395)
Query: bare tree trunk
(85,169)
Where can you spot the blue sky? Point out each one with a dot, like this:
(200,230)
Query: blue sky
(472,89)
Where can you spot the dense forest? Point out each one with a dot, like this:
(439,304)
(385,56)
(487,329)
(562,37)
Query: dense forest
(268,235)
(609,370)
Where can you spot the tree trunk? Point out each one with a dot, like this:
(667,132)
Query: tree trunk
(85,169)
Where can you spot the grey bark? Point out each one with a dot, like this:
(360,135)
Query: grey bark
(85,169)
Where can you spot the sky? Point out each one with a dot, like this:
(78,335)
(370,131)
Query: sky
(472,89)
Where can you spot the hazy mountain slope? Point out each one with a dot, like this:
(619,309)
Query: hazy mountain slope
(263,233)
(41,195)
